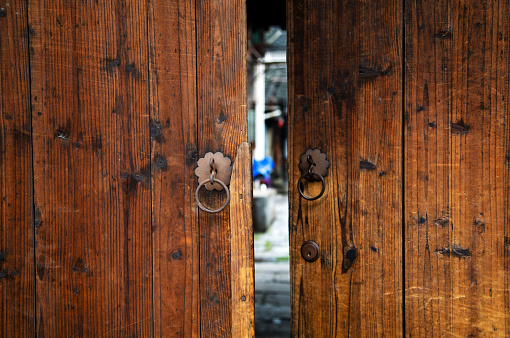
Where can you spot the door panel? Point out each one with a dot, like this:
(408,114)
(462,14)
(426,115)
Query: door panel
(455,155)
(175,234)
(457,168)
(345,98)
(91,167)
(241,244)
(222,126)
(124,102)
(197,53)
(16,217)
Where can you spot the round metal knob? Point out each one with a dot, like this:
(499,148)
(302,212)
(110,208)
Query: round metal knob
(310,251)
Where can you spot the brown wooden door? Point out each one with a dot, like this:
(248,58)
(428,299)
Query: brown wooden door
(409,101)
(106,106)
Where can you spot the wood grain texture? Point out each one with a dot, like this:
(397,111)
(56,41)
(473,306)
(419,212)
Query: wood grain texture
(16,219)
(221,126)
(115,98)
(457,169)
(174,155)
(345,98)
(91,168)
(241,221)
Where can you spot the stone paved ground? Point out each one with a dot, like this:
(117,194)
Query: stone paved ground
(272,278)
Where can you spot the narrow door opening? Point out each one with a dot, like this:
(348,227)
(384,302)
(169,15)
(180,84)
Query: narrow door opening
(267,122)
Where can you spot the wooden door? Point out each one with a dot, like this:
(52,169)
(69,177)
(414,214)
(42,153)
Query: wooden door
(457,176)
(105,109)
(409,101)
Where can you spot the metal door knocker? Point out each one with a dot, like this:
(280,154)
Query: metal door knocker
(213,172)
(314,167)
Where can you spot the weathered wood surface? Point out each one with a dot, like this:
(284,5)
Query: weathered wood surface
(120,115)
(123,107)
(221,126)
(173,128)
(92,194)
(16,219)
(457,173)
(242,268)
(345,98)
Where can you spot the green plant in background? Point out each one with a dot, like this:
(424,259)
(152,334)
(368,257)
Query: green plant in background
(267,246)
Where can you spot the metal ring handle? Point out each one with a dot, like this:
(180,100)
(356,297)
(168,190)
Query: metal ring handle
(301,191)
(201,206)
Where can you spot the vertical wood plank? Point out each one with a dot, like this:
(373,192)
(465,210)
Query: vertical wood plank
(174,155)
(345,99)
(241,220)
(457,168)
(91,167)
(16,222)
(221,126)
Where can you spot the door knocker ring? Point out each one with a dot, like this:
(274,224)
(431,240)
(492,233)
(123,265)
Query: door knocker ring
(310,173)
(314,166)
(212,180)
(214,175)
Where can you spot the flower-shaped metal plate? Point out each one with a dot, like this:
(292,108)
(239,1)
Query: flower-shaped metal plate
(221,166)
(319,159)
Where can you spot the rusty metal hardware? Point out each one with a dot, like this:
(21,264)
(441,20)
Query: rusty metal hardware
(213,172)
(314,167)
(220,165)
(310,251)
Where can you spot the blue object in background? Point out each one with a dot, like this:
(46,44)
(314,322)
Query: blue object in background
(263,167)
